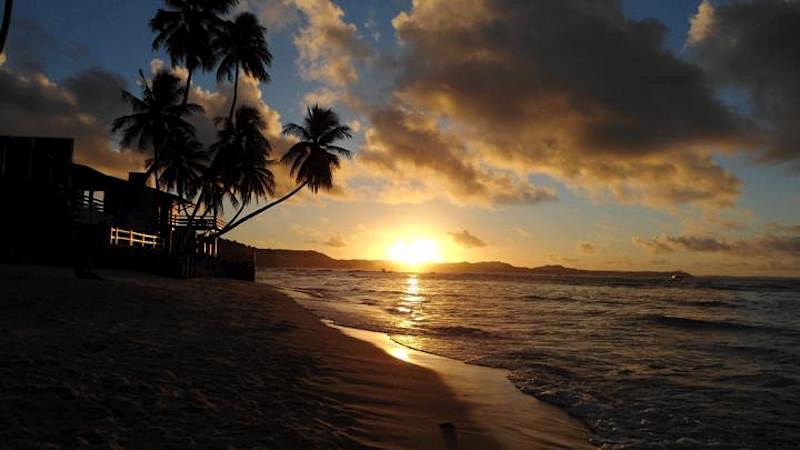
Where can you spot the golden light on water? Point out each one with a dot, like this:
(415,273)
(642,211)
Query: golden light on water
(411,303)
(414,252)
(400,352)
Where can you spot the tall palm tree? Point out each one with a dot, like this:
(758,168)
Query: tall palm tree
(181,164)
(187,31)
(6,24)
(242,45)
(241,158)
(157,117)
(313,160)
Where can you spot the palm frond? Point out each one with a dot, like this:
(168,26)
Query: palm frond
(336,133)
(293,129)
(341,151)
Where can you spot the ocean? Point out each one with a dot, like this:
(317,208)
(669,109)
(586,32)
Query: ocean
(653,363)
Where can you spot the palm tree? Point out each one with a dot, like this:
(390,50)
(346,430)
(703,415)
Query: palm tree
(157,117)
(181,164)
(241,159)
(6,24)
(242,46)
(313,159)
(187,32)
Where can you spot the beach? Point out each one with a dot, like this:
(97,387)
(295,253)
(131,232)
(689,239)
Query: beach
(644,362)
(136,362)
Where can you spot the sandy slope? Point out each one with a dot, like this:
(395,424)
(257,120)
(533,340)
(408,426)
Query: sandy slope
(139,362)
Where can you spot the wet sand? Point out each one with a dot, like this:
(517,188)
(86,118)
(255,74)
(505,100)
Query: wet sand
(512,419)
(142,362)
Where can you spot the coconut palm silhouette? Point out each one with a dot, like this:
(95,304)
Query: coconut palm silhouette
(181,164)
(241,159)
(157,118)
(242,46)
(313,160)
(187,30)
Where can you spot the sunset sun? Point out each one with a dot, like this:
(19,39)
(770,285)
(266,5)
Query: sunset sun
(414,252)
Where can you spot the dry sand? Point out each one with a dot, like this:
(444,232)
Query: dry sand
(142,362)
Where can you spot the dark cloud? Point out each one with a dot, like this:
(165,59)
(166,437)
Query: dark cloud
(82,108)
(335,241)
(780,228)
(586,247)
(571,88)
(524,60)
(655,245)
(467,239)
(778,241)
(31,47)
(404,144)
(754,47)
(97,92)
(699,243)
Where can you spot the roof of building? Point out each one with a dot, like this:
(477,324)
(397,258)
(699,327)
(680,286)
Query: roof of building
(87,178)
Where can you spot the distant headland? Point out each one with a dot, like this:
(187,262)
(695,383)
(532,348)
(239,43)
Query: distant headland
(310,259)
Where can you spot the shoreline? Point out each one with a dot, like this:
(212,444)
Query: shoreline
(512,418)
(138,361)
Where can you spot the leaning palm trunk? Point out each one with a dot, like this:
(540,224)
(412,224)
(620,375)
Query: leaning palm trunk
(6,24)
(226,229)
(238,213)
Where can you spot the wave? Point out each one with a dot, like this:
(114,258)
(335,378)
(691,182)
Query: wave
(655,365)
(358,289)
(458,330)
(699,324)
(711,304)
(533,297)
(747,284)
(318,293)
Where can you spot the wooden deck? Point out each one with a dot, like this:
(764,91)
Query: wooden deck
(198,223)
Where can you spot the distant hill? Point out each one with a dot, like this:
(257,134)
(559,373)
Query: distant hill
(310,259)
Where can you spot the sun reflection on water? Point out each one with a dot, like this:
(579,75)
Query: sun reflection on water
(411,303)
(400,352)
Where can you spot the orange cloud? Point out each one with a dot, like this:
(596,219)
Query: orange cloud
(579,93)
(467,239)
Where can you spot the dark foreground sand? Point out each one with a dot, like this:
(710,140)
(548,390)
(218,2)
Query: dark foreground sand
(140,362)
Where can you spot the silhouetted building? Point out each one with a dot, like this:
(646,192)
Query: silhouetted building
(35,192)
(55,209)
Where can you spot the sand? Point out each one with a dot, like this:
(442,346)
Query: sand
(142,362)
(502,412)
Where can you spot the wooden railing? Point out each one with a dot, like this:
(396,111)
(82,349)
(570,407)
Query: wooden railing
(130,238)
(199,223)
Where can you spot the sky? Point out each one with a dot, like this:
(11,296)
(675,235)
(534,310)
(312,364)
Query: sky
(632,135)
